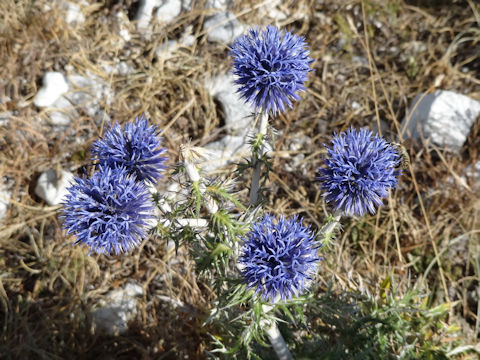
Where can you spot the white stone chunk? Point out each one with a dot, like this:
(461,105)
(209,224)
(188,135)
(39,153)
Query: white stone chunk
(54,86)
(86,92)
(63,116)
(117,309)
(168,10)
(90,93)
(167,49)
(4,200)
(123,23)
(120,68)
(238,113)
(74,14)
(270,10)
(223,27)
(125,34)
(53,188)
(218,4)
(444,117)
(188,40)
(228,149)
(4,117)
(144,13)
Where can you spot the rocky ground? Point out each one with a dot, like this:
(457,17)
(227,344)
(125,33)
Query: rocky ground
(409,70)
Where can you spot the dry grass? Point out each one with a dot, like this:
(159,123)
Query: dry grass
(377,54)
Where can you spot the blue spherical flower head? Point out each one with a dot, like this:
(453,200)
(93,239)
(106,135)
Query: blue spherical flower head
(279,258)
(360,169)
(136,147)
(271,67)
(109,211)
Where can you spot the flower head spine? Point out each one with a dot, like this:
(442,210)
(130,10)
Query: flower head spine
(110,211)
(360,169)
(279,258)
(271,67)
(136,147)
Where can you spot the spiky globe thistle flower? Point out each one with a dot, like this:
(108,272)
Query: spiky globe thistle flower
(279,258)
(136,147)
(109,211)
(271,67)
(360,170)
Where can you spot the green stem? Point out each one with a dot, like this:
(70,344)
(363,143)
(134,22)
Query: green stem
(257,164)
(272,331)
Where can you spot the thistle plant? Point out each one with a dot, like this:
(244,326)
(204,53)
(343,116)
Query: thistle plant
(109,212)
(360,169)
(279,258)
(136,147)
(258,265)
(113,210)
(271,68)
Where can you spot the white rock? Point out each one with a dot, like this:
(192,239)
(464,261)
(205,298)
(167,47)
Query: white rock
(4,117)
(270,10)
(276,14)
(53,189)
(59,118)
(445,117)
(228,149)
(188,40)
(168,10)
(144,13)
(167,49)
(74,14)
(238,113)
(218,4)
(86,91)
(65,113)
(123,23)
(54,86)
(4,200)
(125,34)
(117,309)
(187,5)
(223,27)
(90,93)
(120,68)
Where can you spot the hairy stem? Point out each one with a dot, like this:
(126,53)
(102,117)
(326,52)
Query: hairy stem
(275,336)
(257,165)
(273,333)
(278,343)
